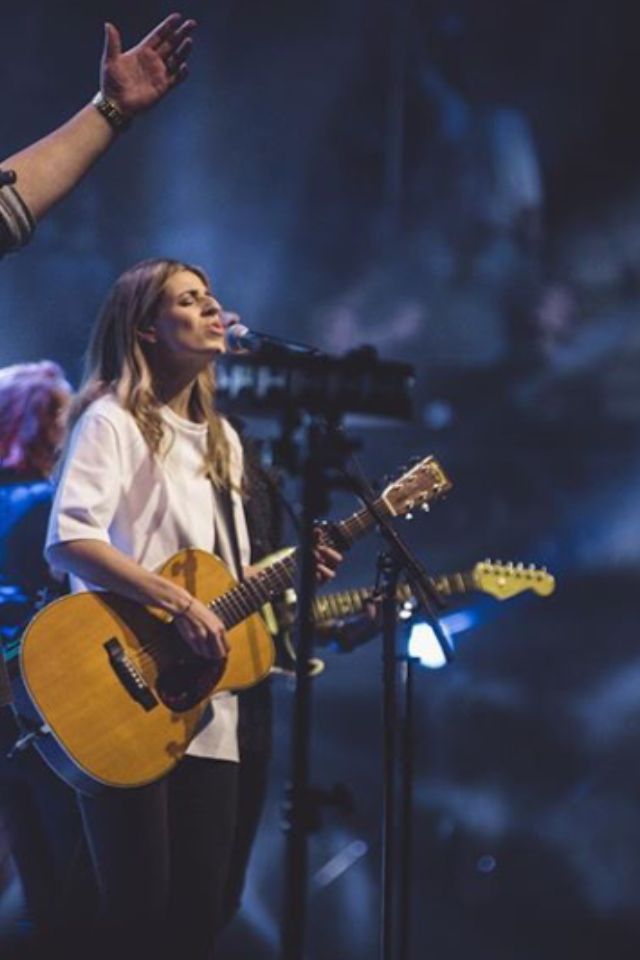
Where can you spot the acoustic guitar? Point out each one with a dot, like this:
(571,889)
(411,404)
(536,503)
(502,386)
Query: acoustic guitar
(111,693)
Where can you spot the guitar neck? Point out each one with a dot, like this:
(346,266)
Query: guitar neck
(423,482)
(450,584)
(346,532)
(251,594)
(331,606)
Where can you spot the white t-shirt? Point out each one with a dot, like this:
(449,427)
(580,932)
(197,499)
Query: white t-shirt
(112,489)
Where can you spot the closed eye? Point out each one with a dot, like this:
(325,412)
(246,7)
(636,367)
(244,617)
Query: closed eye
(192,296)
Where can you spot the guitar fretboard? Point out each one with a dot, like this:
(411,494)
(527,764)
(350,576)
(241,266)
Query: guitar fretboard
(348,602)
(241,601)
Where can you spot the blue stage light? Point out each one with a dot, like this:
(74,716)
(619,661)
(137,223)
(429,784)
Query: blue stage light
(423,643)
(424,646)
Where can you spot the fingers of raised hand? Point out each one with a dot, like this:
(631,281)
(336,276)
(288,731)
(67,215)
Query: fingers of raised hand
(163,32)
(176,59)
(112,42)
(172,39)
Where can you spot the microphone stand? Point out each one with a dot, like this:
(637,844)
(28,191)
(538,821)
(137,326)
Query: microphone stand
(314,391)
(325,448)
(398,558)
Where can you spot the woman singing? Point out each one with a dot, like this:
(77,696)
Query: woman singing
(141,480)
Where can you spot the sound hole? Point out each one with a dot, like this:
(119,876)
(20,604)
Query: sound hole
(188,681)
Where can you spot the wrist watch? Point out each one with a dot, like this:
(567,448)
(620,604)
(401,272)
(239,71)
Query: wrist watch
(111,112)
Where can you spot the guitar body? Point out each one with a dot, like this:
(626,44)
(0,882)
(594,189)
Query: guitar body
(122,695)
(111,696)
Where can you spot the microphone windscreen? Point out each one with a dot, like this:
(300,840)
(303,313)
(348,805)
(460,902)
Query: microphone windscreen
(233,336)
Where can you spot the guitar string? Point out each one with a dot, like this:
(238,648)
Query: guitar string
(232,601)
(277,578)
(274,580)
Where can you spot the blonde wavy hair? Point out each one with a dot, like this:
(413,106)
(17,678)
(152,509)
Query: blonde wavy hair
(34,403)
(116,361)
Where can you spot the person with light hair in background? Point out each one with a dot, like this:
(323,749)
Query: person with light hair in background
(40,817)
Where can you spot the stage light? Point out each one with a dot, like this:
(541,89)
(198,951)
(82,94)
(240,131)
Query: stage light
(424,646)
(423,643)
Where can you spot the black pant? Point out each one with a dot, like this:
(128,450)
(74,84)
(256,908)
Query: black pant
(252,791)
(255,738)
(162,854)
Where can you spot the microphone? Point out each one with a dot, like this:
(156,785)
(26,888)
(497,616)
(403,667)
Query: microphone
(239,339)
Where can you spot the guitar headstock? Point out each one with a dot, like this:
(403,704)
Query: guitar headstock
(419,486)
(504,580)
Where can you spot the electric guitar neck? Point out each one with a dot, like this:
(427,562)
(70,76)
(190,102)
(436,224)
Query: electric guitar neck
(500,580)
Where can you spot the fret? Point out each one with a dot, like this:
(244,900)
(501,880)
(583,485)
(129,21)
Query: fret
(468,581)
(360,522)
(270,581)
(443,585)
(255,592)
(344,604)
(404,592)
(226,607)
(351,602)
(222,609)
(247,597)
(333,606)
(320,608)
(357,598)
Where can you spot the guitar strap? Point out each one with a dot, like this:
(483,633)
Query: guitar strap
(225,525)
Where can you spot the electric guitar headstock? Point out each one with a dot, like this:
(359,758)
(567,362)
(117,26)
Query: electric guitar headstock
(504,580)
(417,488)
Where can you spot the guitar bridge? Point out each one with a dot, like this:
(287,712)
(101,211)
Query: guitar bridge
(129,675)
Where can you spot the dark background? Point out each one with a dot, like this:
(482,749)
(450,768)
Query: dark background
(457,184)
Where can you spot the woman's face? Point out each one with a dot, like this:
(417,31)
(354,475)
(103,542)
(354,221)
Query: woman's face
(188,325)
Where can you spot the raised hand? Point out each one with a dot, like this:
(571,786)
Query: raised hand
(136,79)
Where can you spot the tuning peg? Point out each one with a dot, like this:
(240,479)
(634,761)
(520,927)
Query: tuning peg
(408,516)
(426,507)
